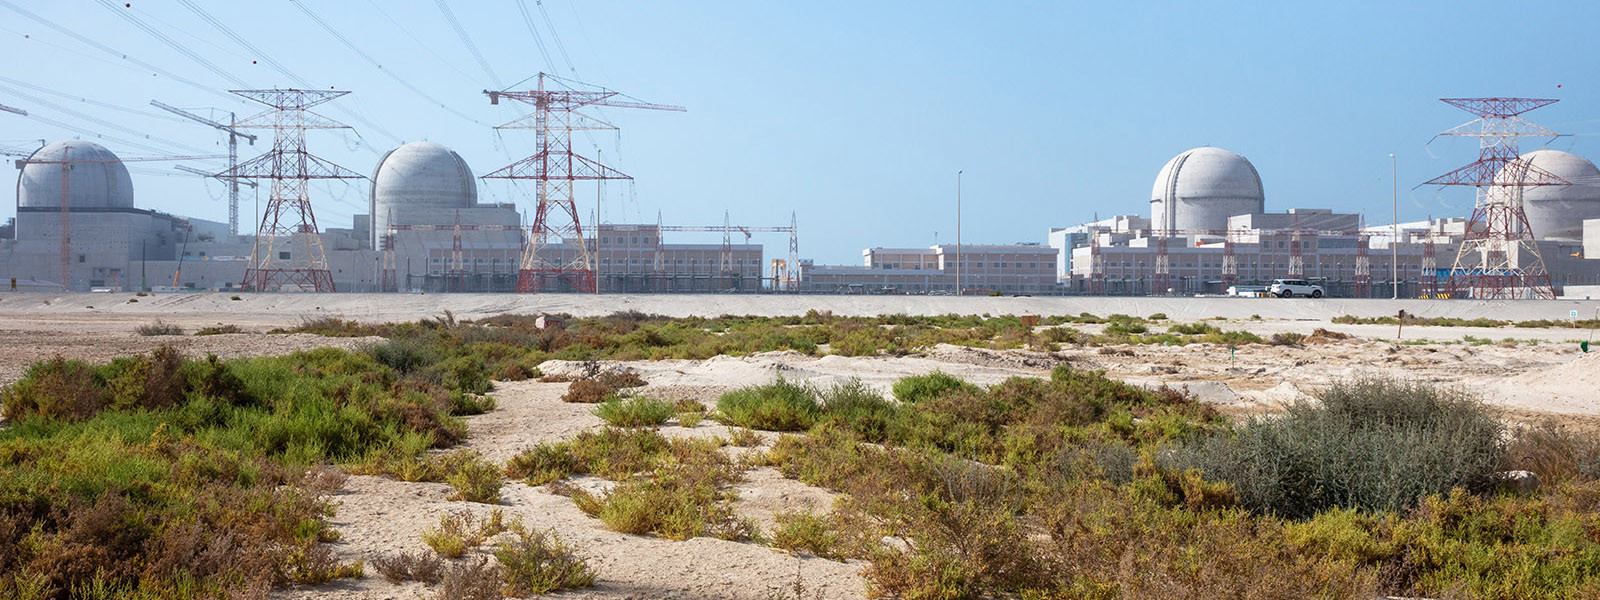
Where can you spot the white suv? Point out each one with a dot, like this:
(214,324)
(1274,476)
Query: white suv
(1285,288)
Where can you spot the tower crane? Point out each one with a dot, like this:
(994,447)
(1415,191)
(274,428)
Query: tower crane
(232,128)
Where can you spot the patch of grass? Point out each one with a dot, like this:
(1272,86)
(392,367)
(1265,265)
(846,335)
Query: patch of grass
(159,328)
(539,562)
(634,411)
(778,406)
(918,388)
(690,419)
(219,330)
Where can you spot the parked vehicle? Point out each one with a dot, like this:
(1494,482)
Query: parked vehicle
(1287,288)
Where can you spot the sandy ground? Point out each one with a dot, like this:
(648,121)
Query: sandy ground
(255,309)
(1545,376)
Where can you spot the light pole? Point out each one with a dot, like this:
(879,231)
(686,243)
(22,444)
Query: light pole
(1394,241)
(958,232)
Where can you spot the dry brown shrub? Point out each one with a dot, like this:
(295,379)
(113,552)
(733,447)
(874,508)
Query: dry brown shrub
(586,391)
(480,580)
(410,566)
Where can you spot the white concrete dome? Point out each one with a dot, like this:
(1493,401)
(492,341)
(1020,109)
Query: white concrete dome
(96,178)
(1558,211)
(1201,188)
(419,180)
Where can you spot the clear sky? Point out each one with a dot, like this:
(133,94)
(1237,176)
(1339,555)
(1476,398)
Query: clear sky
(856,115)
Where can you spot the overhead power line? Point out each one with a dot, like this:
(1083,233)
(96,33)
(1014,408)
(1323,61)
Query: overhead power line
(467,41)
(98,121)
(171,43)
(114,52)
(522,6)
(220,26)
(353,48)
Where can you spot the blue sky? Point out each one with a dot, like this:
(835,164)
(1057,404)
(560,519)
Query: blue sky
(857,115)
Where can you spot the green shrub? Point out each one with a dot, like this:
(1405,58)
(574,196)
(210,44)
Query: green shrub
(690,419)
(634,411)
(462,531)
(613,453)
(806,532)
(1372,444)
(538,562)
(1196,328)
(1125,329)
(405,355)
(682,499)
(1158,317)
(219,329)
(474,478)
(918,388)
(778,406)
(857,407)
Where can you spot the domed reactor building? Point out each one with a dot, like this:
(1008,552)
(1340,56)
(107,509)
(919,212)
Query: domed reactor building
(1209,232)
(109,239)
(424,198)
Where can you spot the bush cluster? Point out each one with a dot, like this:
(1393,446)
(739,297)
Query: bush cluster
(1083,487)
(165,476)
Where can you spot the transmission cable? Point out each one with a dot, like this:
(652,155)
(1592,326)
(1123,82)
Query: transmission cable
(467,41)
(353,48)
(122,55)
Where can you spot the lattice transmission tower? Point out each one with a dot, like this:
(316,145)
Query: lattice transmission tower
(555,167)
(288,250)
(1498,257)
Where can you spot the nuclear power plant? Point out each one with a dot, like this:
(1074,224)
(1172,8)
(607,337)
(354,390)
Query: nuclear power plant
(1209,231)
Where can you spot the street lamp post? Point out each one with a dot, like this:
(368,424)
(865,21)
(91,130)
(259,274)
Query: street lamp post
(958,232)
(1394,241)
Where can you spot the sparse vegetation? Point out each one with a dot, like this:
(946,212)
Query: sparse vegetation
(778,406)
(634,411)
(410,566)
(159,328)
(216,461)
(687,496)
(461,531)
(474,478)
(219,330)
(918,388)
(538,562)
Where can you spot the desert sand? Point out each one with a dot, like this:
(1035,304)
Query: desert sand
(1545,375)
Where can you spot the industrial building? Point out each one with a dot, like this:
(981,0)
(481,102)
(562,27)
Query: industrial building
(424,217)
(1007,269)
(1208,229)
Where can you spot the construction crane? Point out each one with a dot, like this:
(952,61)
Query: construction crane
(66,161)
(232,128)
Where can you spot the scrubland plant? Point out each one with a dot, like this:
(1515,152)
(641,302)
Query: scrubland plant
(778,406)
(634,411)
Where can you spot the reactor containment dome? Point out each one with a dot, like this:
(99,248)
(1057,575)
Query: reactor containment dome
(96,178)
(420,183)
(1201,188)
(1556,212)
